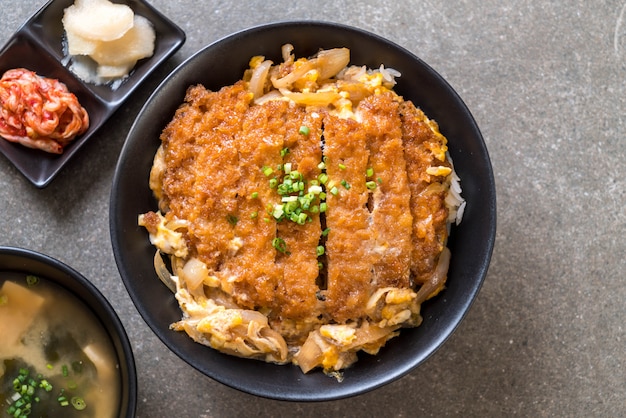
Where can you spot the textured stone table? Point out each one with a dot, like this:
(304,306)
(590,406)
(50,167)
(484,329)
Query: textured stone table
(546,84)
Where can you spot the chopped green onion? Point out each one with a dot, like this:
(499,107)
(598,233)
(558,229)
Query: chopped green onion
(78,403)
(267,170)
(232,219)
(278,211)
(45,385)
(292,205)
(325,232)
(25,393)
(32,280)
(369,172)
(379,180)
(320,250)
(370,185)
(342,166)
(254,195)
(345,184)
(254,215)
(284,152)
(334,191)
(304,130)
(284,188)
(300,199)
(321,165)
(280,245)
(323,207)
(295,175)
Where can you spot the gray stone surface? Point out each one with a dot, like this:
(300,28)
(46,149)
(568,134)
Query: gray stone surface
(545,81)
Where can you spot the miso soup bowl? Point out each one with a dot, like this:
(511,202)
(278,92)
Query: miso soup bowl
(223,63)
(18,260)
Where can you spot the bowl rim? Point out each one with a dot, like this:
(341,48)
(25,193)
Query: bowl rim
(289,394)
(24,260)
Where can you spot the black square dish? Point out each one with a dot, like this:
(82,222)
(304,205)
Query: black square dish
(38,46)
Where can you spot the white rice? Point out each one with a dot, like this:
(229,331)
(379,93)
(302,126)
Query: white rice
(454,201)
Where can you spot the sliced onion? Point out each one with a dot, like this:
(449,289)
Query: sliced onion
(294,76)
(286,50)
(437,280)
(163,273)
(368,334)
(330,61)
(272,95)
(194,274)
(259,76)
(310,355)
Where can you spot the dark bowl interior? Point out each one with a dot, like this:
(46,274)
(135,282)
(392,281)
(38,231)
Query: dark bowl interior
(222,63)
(18,260)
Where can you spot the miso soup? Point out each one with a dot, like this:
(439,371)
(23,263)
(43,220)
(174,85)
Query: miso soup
(56,359)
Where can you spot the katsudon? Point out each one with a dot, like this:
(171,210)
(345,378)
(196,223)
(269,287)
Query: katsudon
(303,212)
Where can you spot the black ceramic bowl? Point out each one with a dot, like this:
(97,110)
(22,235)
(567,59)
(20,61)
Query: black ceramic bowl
(222,63)
(23,261)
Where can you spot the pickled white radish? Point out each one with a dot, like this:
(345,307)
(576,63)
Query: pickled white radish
(136,44)
(77,45)
(106,39)
(114,71)
(98,20)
